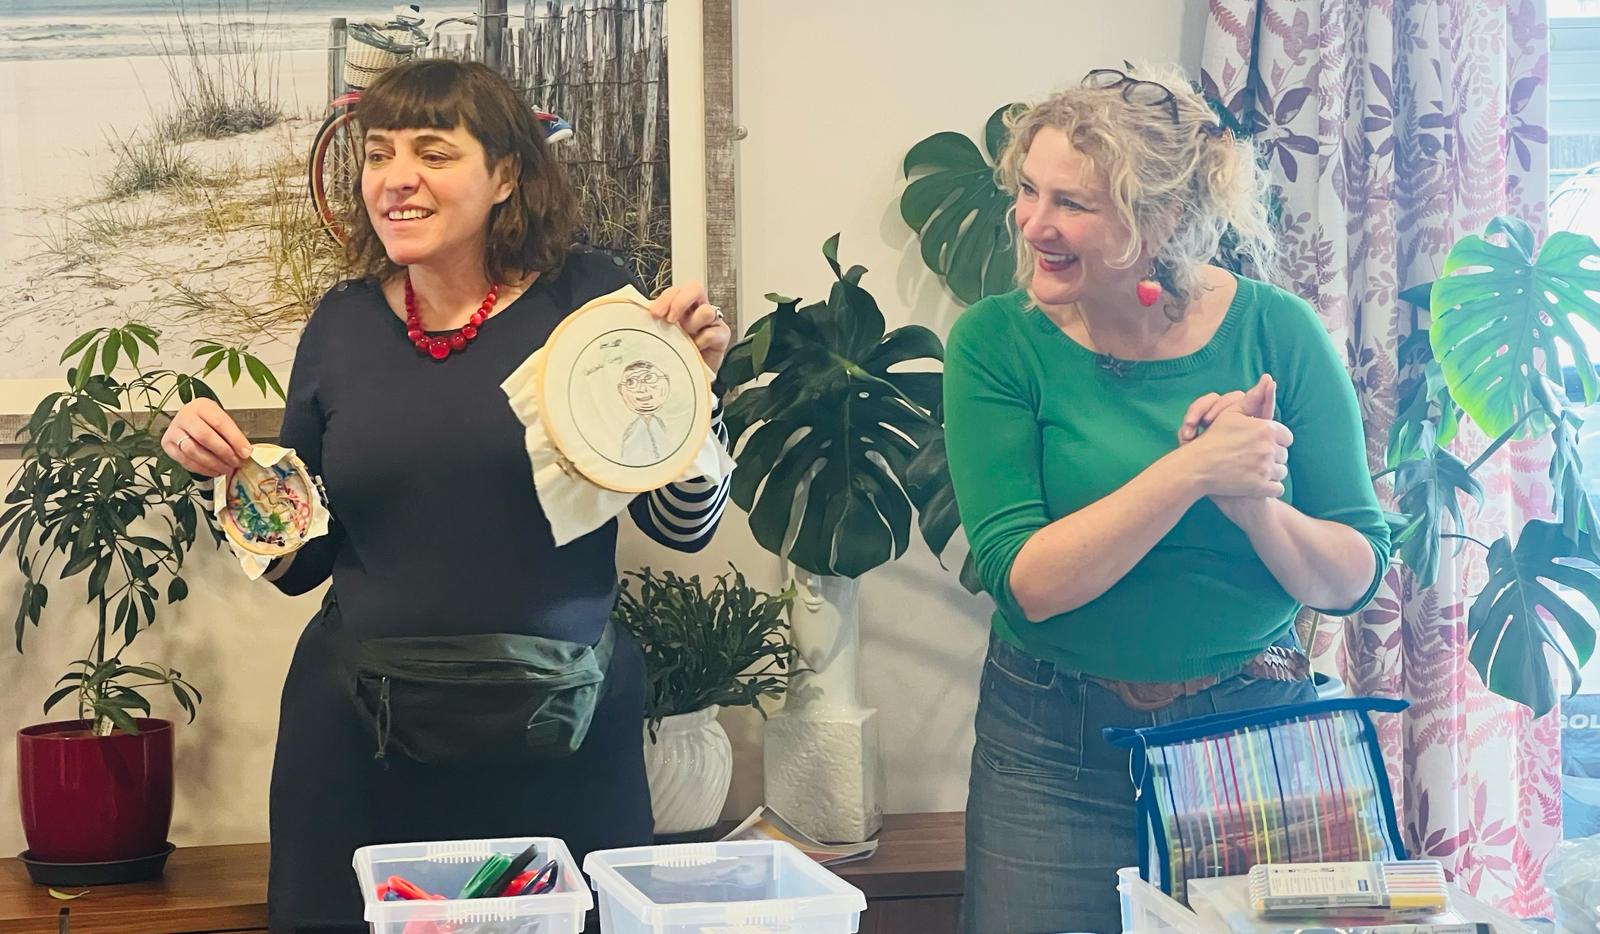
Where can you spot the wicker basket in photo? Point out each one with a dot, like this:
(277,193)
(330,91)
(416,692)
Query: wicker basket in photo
(370,51)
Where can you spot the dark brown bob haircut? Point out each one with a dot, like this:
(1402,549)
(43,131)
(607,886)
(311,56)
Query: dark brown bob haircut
(532,229)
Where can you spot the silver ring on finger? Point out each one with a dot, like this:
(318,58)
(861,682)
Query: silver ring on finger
(181,438)
(718,310)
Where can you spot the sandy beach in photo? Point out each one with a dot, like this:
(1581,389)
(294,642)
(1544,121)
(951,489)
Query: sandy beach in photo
(73,256)
(107,215)
(112,211)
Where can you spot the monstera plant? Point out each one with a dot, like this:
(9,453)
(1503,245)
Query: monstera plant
(960,212)
(839,450)
(1498,315)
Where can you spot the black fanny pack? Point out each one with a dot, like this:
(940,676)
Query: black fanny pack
(477,700)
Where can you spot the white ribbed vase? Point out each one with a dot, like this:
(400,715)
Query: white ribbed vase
(690,766)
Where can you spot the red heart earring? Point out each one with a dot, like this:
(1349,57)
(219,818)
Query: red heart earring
(1149,289)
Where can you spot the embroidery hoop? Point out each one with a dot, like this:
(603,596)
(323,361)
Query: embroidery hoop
(573,346)
(295,535)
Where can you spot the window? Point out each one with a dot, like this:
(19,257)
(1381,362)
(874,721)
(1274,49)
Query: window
(1575,137)
(1575,206)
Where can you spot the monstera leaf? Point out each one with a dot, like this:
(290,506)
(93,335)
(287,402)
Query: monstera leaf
(1508,623)
(1497,314)
(826,446)
(1427,488)
(1570,500)
(959,211)
(928,477)
(1490,352)
(1426,415)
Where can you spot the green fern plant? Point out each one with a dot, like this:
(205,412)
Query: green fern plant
(727,645)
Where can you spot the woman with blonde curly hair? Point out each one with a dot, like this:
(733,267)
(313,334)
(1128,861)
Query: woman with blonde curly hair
(1158,463)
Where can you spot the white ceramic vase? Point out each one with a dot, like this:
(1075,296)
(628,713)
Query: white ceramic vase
(690,765)
(822,768)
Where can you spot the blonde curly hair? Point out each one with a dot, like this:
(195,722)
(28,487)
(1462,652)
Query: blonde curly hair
(1160,172)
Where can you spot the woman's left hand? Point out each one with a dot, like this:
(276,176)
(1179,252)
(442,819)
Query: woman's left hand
(690,308)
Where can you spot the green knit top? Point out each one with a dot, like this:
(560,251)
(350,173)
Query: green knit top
(1038,426)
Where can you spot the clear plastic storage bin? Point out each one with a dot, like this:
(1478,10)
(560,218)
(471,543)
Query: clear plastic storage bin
(721,888)
(1221,906)
(1148,910)
(445,867)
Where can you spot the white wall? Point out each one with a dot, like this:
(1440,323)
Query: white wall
(832,94)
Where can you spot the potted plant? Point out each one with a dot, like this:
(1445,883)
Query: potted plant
(836,454)
(96,499)
(1489,354)
(703,650)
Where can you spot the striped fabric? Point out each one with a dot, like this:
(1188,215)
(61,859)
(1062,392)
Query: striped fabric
(1306,787)
(682,516)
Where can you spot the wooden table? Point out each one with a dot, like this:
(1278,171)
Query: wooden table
(913,886)
(913,882)
(206,888)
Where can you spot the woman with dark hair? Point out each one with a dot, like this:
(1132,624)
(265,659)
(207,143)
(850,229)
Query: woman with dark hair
(461,248)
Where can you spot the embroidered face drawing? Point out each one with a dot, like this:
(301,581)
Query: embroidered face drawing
(644,388)
(631,398)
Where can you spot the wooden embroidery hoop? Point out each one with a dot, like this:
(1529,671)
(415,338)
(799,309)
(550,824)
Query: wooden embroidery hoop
(622,310)
(298,537)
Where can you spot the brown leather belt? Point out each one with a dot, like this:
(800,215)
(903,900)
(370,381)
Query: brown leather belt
(1277,663)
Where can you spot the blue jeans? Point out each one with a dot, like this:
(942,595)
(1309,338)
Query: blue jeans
(1050,811)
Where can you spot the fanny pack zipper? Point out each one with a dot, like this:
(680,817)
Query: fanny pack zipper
(383,722)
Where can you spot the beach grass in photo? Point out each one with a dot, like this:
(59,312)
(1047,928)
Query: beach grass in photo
(148,163)
(106,223)
(60,241)
(609,217)
(223,76)
(306,262)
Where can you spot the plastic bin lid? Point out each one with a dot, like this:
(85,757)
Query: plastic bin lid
(571,895)
(710,883)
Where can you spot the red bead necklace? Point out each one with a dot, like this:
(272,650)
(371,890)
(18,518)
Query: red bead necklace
(439,347)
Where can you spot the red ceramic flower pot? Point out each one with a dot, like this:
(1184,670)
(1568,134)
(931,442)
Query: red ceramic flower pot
(90,799)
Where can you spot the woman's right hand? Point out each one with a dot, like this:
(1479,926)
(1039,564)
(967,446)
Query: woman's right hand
(205,440)
(1241,455)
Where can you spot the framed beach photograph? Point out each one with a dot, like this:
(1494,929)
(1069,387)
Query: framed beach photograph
(161,161)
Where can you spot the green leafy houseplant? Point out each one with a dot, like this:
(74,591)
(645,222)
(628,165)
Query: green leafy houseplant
(727,646)
(1490,354)
(960,212)
(97,498)
(840,448)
